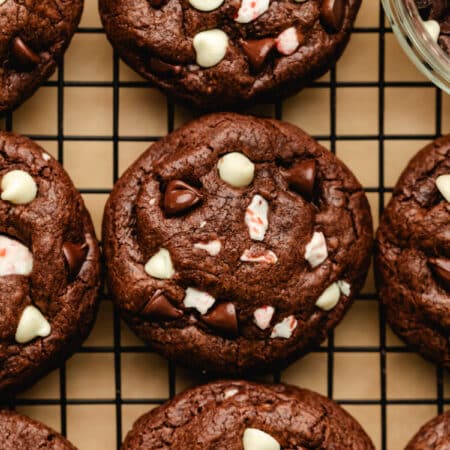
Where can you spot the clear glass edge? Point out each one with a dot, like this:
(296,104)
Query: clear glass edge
(418,52)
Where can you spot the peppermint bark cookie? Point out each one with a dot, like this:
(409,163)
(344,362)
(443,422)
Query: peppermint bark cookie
(19,432)
(413,254)
(236,243)
(217,54)
(49,264)
(249,416)
(34,35)
(434,435)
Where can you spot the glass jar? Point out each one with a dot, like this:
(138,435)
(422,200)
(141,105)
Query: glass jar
(425,53)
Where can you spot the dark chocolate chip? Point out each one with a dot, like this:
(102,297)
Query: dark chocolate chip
(163,68)
(75,255)
(157,3)
(332,14)
(257,51)
(179,197)
(23,56)
(159,307)
(223,317)
(441,269)
(301,177)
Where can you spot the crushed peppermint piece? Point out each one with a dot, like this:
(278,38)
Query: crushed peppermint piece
(265,256)
(287,41)
(316,251)
(251,10)
(199,300)
(211,247)
(263,316)
(285,328)
(15,258)
(256,218)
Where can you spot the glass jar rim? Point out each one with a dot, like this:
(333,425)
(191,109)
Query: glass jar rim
(415,40)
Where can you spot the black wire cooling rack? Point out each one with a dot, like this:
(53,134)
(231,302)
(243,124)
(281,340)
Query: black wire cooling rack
(330,349)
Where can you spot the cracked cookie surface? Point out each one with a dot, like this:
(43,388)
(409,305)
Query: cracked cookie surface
(219,415)
(413,254)
(33,36)
(434,435)
(236,243)
(19,432)
(49,264)
(218,54)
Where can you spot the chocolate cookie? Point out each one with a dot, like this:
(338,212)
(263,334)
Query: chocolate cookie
(249,416)
(413,254)
(18,432)
(236,243)
(34,35)
(436,14)
(434,435)
(217,54)
(49,264)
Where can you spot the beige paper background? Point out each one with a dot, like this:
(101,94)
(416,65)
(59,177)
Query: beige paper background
(87,110)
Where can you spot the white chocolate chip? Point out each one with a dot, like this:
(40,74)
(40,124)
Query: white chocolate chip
(199,300)
(211,247)
(329,298)
(160,265)
(2,1)
(152,201)
(15,258)
(206,5)
(316,251)
(31,324)
(256,218)
(344,287)
(443,184)
(251,10)
(285,328)
(236,169)
(267,256)
(45,156)
(210,47)
(255,439)
(263,316)
(287,41)
(433,28)
(202,224)
(230,393)
(18,187)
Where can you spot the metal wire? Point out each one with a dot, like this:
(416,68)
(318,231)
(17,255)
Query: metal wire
(331,349)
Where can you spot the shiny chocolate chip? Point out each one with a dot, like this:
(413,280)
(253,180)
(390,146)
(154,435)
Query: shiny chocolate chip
(22,55)
(301,177)
(163,68)
(160,308)
(332,14)
(223,318)
(257,51)
(180,197)
(75,255)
